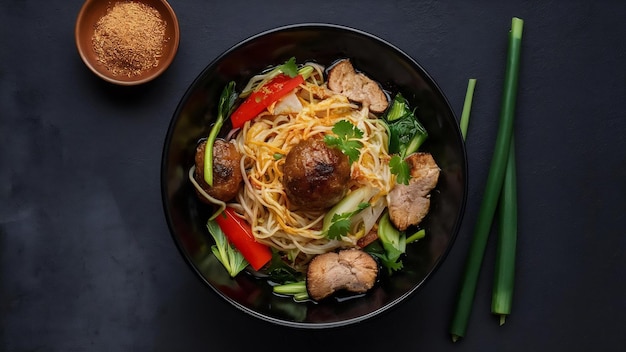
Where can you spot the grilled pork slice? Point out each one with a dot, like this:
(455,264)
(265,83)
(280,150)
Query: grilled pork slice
(319,92)
(368,238)
(343,79)
(351,270)
(409,204)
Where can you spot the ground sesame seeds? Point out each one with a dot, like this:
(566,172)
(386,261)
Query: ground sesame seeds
(128,40)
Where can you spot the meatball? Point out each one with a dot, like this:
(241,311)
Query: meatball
(315,175)
(227,177)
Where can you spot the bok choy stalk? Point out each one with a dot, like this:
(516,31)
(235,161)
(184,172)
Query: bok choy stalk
(224,108)
(393,242)
(338,220)
(406,132)
(421,233)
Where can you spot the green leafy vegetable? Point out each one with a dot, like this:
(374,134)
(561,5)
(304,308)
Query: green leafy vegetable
(400,168)
(393,241)
(280,272)
(406,133)
(376,249)
(399,109)
(224,108)
(340,225)
(346,139)
(231,258)
(349,204)
(392,244)
(289,67)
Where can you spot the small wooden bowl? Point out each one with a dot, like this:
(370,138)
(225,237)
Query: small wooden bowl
(93,10)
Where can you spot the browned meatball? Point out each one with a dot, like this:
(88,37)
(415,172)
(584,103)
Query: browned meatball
(315,175)
(227,176)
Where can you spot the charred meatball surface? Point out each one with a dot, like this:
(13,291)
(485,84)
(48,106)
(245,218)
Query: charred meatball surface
(227,177)
(315,175)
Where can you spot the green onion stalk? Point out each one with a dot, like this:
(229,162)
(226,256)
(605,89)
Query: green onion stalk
(493,187)
(296,289)
(502,295)
(225,105)
(467,106)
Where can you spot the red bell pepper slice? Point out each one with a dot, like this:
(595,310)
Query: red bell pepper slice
(240,235)
(261,99)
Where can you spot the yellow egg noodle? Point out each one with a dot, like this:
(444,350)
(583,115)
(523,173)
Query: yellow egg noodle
(266,140)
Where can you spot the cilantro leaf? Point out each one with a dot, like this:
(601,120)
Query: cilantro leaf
(346,139)
(290,68)
(339,227)
(391,263)
(346,129)
(400,168)
(341,223)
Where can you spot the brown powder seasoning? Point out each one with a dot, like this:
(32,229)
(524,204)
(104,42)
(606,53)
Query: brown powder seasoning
(128,39)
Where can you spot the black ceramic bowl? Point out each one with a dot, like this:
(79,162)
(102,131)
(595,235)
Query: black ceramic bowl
(323,43)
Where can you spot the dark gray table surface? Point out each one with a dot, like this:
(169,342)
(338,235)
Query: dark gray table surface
(86,259)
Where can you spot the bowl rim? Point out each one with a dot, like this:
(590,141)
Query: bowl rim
(295,324)
(175,42)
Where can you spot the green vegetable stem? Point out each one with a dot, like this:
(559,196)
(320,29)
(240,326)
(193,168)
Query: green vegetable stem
(393,241)
(337,222)
(502,295)
(407,134)
(225,105)
(296,289)
(493,187)
(467,106)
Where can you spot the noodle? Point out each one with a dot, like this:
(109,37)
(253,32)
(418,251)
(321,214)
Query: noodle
(263,201)
(263,144)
